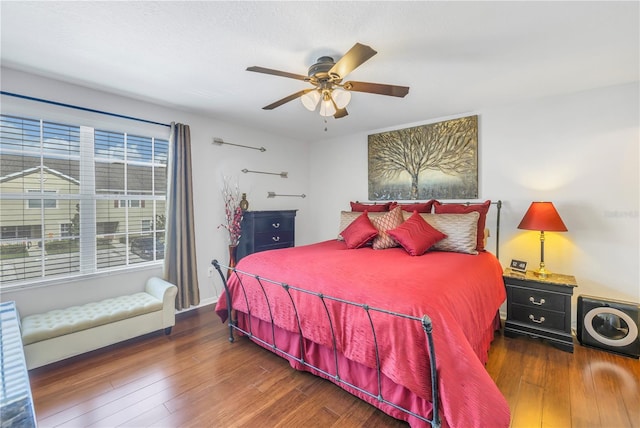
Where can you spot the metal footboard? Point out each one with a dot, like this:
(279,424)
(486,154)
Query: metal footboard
(425,321)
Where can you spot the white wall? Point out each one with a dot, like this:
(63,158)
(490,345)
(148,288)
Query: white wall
(210,163)
(579,151)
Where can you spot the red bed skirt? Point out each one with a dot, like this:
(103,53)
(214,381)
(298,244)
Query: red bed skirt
(355,373)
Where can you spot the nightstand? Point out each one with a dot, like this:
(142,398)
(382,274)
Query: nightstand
(540,307)
(266,230)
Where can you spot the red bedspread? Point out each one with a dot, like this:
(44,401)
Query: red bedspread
(460,293)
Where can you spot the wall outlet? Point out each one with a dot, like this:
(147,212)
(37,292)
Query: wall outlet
(210,272)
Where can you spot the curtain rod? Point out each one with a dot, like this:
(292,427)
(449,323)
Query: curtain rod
(121,116)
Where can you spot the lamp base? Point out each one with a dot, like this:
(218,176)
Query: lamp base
(542,272)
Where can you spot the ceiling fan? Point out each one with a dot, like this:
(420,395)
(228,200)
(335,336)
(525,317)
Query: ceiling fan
(326,77)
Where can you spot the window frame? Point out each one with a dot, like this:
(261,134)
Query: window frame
(155,201)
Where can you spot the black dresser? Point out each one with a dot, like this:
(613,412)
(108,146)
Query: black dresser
(266,230)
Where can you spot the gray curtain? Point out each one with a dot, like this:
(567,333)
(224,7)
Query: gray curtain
(180,249)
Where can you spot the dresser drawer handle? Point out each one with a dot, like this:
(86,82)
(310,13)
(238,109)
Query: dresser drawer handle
(275,238)
(540,303)
(540,321)
(275,225)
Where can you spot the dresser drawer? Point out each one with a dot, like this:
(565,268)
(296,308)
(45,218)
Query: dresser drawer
(276,238)
(537,299)
(274,224)
(538,318)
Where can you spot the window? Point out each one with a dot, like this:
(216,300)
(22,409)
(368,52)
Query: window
(41,203)
(132,203)
(146,225)
(80,208)
(65,229)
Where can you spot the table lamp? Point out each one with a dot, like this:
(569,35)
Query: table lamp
(542,216)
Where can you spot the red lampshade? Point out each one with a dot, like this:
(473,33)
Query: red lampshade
(542,216)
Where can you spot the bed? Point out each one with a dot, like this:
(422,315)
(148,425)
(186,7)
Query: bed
(408,334)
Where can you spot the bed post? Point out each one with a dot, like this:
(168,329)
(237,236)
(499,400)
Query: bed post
(499,206)
(428,329)
(216,265)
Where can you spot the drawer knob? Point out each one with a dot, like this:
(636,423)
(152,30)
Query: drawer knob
(540,321)
(275,238)
(275,225)
(540,303)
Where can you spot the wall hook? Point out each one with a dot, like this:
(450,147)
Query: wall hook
(273,195)
(281,174)
(220,141)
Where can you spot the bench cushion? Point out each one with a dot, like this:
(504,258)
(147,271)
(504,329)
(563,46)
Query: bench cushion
(38,327)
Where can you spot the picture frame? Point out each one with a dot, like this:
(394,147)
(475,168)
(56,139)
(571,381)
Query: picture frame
(433,161)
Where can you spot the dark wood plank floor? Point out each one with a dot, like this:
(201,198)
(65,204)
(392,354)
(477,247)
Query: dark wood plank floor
(196,378)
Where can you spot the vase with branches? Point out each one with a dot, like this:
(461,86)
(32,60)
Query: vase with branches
(233,218)
(232,211)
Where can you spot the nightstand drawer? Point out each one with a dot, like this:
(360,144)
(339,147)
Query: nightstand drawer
(537,299)
(538,318)
(274,224)
(269,239)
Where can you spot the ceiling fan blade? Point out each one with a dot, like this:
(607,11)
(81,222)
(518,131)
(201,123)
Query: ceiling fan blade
(277,72)
(341,112)
(377,88)
(287,99)
(355,57)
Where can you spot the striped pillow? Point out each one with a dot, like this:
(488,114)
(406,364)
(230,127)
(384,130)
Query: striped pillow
(461,231)
(388,221)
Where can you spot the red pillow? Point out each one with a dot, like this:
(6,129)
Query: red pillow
(465,209)
(416,235)
(359,232)
(373,208)
(421,207)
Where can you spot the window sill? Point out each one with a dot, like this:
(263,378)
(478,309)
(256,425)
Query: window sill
(47,282)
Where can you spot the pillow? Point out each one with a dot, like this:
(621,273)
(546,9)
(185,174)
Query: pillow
(372,208)
(421,207)
(482,209)
(415,235)
(347,217)
(359,232)
(461,231)
(388,221)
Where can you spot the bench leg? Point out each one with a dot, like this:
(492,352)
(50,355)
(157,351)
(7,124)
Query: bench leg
(167,331)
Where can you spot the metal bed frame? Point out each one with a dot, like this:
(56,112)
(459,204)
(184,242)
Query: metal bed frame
(425,322)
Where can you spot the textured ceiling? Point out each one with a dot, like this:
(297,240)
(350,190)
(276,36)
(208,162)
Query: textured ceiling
(456,57)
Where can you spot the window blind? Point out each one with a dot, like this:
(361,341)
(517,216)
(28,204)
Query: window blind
(77,200)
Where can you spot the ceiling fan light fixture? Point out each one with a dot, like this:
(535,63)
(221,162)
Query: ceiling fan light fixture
(326,107)
(341,97)
(310,100)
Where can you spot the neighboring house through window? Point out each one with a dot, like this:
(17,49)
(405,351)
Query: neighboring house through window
(79,207)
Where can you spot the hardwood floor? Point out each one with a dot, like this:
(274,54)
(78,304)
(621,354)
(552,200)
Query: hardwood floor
(195,378)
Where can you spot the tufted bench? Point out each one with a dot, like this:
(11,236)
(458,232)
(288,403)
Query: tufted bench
(63,333)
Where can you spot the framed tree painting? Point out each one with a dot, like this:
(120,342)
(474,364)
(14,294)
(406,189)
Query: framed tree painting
(438,160)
